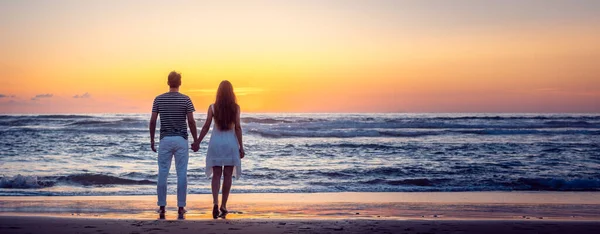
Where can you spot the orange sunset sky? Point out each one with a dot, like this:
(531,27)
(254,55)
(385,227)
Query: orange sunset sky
(302,56)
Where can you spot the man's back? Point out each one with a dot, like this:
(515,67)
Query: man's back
(172,108)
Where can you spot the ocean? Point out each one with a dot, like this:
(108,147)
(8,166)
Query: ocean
(109,154)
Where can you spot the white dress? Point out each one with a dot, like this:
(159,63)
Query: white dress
(223,150)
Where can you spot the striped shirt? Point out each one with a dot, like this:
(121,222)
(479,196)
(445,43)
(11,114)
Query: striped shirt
(172,108)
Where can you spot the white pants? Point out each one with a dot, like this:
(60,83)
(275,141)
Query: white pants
(168,147)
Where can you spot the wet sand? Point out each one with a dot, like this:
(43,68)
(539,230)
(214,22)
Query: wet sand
(571,206)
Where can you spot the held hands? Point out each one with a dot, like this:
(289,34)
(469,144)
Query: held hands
(196,146)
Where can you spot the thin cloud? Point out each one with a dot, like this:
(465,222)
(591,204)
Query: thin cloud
(85,95)
(241,91)
(39,96)
(248,91)
(6,96)
(554,91)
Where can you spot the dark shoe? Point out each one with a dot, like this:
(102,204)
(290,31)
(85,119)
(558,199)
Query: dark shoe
(161,212)
(215,212)
(224,213)
(182,211)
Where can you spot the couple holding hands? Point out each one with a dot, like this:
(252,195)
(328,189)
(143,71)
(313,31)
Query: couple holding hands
(225,148)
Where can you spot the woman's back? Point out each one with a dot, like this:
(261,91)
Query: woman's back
(216,125)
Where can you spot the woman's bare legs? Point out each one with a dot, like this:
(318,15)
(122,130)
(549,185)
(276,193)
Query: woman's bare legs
(227,174)
(216,184)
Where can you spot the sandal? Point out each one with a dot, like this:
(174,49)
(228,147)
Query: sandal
(224,213)
(215,212)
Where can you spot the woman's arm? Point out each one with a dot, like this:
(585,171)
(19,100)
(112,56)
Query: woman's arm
(238,133)
(206,126)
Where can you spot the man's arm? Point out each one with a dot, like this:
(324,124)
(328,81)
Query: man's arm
(153,129)
(192,125)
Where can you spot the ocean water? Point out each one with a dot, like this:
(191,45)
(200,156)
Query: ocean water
(109,154)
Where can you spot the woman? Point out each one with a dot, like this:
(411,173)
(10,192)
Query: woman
(225,148)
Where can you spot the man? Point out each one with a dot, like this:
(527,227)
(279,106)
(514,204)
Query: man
(173,108)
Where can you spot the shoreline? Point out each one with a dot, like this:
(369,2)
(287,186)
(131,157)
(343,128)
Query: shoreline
(531,197)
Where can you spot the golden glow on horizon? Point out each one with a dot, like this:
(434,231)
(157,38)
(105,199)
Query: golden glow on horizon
(300,57)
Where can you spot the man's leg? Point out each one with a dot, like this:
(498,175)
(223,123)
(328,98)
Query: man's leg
(165,154)
(181,165)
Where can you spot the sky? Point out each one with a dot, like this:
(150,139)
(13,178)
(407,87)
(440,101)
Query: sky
(302,56)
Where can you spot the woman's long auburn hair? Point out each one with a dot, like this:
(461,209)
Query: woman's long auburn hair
(226,106)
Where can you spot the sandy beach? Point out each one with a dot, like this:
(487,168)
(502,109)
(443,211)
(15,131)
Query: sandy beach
(460,212)
(87,225)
